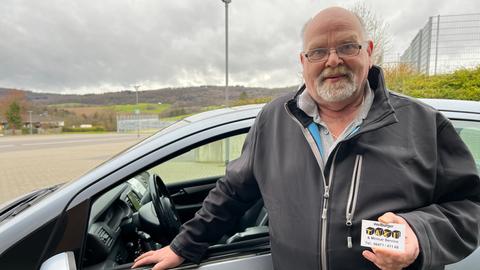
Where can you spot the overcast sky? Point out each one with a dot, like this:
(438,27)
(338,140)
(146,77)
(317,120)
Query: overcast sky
(92,46)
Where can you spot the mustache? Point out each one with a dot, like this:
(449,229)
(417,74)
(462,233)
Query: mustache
(341,70)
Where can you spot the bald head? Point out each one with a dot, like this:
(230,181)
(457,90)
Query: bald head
(333,18)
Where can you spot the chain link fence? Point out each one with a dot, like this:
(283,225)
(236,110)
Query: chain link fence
(446,43)
(142,123)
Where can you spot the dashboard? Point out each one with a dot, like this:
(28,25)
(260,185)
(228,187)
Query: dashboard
(112,223)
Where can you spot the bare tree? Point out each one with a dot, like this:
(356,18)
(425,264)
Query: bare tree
(376,28)
(13,106)
(13,95)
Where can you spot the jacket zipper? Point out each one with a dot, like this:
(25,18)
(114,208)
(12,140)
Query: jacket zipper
(352,198)
(326,196)
(326,186)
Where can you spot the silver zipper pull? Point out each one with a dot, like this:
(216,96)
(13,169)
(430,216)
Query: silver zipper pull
(326,194)
(349,220)
(349,236)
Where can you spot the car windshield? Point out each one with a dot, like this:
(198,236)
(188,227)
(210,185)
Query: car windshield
(17,206)
(162,132)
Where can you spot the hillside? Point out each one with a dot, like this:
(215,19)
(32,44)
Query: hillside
(187,96)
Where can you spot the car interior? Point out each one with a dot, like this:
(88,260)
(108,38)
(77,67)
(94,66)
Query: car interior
(146,211)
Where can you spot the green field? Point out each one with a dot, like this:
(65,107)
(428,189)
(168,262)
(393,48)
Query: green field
(145,108)
(67,105)
(180,117)
(150,108)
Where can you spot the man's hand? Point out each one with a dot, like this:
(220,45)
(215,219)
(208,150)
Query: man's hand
(163,258)
(386,259)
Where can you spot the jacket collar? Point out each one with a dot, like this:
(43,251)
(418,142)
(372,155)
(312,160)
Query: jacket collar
(381,113)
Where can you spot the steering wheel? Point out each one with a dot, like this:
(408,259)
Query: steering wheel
(164,208)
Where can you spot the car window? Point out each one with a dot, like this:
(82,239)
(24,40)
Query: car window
(469,131)
(205,161)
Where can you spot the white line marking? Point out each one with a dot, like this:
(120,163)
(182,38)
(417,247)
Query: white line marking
(74,141)
(8,145)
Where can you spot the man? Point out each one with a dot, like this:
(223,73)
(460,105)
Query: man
(341,150)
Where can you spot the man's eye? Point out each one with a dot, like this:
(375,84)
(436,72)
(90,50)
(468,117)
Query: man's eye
(348,48)
(318,53)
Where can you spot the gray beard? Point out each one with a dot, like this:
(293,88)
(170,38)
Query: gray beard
(339,91)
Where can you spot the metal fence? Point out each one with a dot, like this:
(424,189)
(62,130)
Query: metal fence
(446,43)
(140,123)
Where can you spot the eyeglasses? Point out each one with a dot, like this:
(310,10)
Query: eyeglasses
(344,50)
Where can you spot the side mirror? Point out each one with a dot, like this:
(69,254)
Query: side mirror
(62,261)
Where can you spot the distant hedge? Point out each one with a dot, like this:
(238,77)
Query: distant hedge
(247,101)
(461,84)
(92,129)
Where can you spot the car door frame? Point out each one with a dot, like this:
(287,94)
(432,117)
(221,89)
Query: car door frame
(82,201)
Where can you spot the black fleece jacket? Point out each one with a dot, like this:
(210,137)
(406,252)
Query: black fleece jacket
(413,163)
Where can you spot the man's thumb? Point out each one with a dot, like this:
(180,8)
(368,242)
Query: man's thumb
(390,217)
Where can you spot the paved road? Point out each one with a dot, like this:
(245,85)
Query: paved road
(21,143)
(31,162)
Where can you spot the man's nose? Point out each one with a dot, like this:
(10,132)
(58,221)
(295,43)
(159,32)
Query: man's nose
(333,60)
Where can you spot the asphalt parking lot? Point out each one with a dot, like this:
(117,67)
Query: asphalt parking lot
(31,162)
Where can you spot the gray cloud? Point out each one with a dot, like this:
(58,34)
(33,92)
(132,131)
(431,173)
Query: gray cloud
(109,45)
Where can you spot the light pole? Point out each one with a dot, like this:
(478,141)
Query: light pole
(31,124)
(226,51)
(137,110)
(227,140)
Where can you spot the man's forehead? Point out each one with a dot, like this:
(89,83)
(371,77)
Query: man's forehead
(330,38)
(333,23)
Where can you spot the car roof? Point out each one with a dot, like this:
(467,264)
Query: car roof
(454,105)
(222,112)
(456,109)
(450,105)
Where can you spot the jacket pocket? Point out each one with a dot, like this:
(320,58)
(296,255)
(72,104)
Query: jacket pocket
(352,197)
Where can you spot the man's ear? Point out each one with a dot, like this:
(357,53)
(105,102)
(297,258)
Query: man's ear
(370,52)
(303,61)
(370,48)
(302,58)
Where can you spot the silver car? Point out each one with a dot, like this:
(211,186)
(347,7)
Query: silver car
(136,201)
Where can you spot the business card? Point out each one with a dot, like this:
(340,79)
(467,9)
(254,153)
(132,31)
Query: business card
(380,235)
